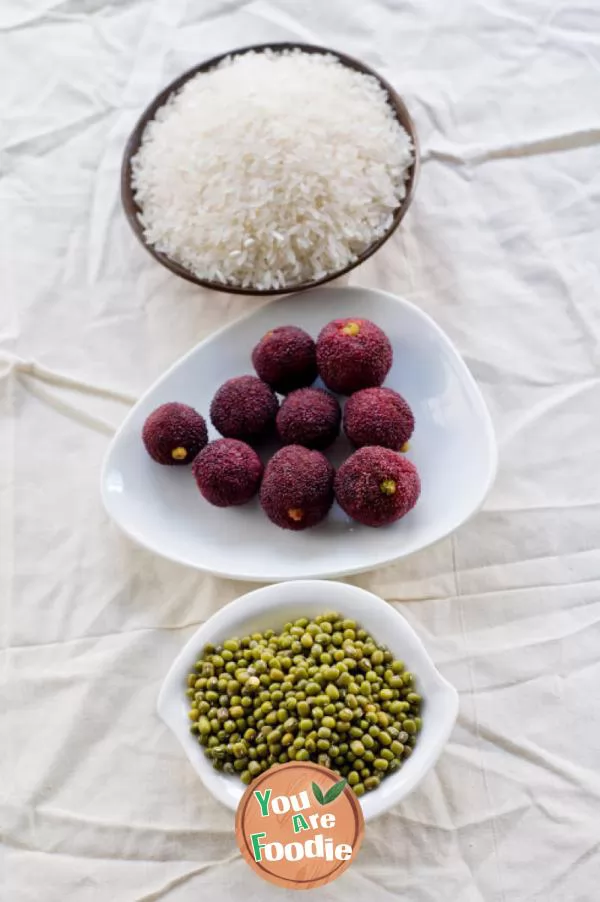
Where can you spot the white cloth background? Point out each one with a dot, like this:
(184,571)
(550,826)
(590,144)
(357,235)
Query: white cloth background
(501,247)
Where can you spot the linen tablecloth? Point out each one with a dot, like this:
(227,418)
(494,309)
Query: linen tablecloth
(501,247)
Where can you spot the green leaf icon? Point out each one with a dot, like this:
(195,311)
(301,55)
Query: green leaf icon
(318,794)
(334,791)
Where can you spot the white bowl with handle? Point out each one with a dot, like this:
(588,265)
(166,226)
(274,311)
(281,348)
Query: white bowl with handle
(270,608)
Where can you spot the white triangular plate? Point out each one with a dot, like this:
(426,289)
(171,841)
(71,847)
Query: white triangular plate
(453,447)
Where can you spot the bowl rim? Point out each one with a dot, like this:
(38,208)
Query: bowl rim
(277,597)
(335,573)
(132,210)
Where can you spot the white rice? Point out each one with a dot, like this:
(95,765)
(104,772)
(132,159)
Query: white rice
(271,170)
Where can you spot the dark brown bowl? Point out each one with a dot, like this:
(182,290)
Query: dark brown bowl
(132,210)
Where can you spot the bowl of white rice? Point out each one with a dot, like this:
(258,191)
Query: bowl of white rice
(270,169)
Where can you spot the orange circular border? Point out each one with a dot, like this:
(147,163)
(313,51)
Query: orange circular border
(242,840)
